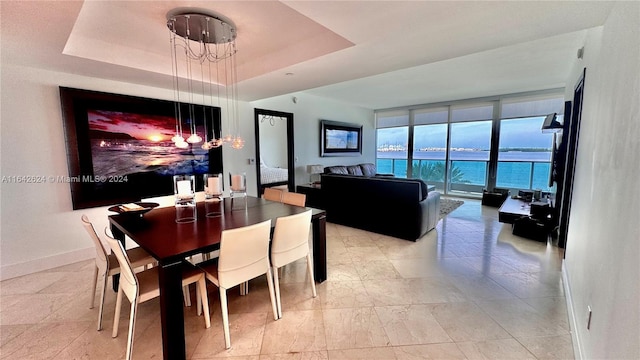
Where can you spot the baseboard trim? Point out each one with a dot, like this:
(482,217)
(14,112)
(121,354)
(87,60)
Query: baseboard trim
(46,263)
(575,337)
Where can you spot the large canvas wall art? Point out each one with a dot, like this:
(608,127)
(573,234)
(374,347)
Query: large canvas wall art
(119,147)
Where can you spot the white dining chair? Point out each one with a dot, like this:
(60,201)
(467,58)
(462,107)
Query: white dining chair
(244,255)
(289,243)
(144,286)
(292,198)
(107,265)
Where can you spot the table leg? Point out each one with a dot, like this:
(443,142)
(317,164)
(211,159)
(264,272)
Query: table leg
(171,311)
(319,228)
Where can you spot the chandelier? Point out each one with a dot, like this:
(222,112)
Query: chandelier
(203,49)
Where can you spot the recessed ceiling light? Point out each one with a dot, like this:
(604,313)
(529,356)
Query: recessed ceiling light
(289,74)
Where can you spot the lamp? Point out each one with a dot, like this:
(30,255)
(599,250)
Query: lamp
(203,39)
(314,169)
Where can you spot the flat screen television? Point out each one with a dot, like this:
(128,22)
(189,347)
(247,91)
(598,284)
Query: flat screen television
(340,139)
(119,147)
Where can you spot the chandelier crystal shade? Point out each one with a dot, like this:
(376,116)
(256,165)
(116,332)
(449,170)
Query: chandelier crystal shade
(203,61)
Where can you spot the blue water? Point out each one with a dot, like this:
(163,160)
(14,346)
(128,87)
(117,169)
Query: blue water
(516,170)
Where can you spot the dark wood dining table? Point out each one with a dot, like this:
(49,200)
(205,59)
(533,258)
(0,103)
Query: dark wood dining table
(170,243)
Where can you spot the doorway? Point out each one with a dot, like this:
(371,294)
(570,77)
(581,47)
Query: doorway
(275,165)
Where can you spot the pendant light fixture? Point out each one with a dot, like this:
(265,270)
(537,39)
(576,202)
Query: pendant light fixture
(204,40)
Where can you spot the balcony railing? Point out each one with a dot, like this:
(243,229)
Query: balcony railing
(472,175)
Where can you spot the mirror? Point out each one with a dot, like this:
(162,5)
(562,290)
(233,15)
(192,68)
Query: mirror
(274,150)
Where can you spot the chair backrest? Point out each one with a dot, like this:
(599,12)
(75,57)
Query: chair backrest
(244,254)
(273,194)
(292,198)
(128,279)
(101,254)
(290,238)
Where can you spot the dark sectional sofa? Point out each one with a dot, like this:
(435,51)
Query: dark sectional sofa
(383,204)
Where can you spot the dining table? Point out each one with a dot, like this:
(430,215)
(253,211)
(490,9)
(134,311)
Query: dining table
(170,243)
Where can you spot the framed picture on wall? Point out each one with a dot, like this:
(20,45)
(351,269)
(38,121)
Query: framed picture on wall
(120,148)
(340,139)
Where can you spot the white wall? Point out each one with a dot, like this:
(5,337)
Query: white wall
(602,252)
(308,110)
(39,230)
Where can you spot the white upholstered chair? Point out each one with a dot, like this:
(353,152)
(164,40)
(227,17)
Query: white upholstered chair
(144,286)
(244,255)
(107,265)
(290,242)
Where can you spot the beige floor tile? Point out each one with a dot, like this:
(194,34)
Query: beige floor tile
(353,328)
(376,269)
(480,288)
(522,320)
(306,355)
(411,324)
(342,272)
(298,296)
(557,347)
(296,331)
(417,268)
(247,332)
(360,254)
(495,349)
(9,332)
(43,341)
(32,308)
(30,284)
(344,294)
(358,241)
(528,285)
(465,321)
(363,354)
(431,351)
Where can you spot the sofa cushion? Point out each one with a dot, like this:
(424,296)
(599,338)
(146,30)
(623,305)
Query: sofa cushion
(354,170)
(368,169)
(338,169)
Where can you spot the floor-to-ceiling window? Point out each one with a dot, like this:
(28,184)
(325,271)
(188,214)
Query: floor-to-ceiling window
(467,146)
(392,136)
(429,155)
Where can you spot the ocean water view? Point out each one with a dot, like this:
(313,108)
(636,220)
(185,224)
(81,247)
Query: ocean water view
(516,169)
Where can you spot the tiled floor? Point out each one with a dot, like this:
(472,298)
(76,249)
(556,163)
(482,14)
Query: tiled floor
(468,290)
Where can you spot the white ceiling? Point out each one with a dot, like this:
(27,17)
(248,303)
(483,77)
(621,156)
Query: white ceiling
(376,54)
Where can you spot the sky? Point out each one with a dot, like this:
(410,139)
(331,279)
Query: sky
(515,133)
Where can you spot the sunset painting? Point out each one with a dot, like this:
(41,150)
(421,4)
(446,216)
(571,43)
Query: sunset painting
(128,143)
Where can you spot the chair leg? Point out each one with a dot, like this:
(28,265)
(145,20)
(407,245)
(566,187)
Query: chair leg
(198,299)
(132,327)
(276,285)
(271,293)
(204,300)
(310,271)
(225,318)
(116,316)
(102,293)
(186,295)
(92,299)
